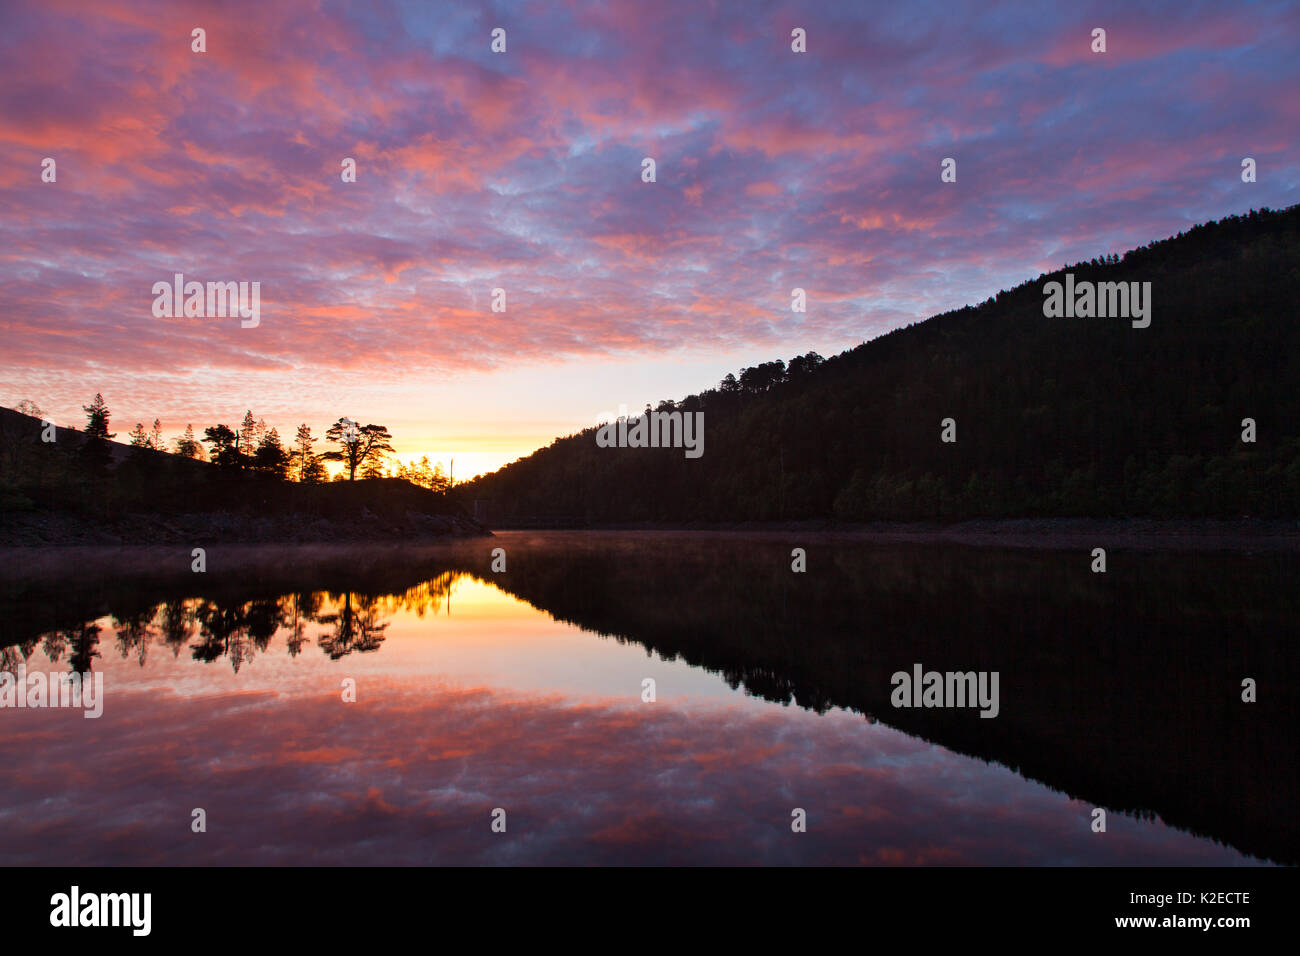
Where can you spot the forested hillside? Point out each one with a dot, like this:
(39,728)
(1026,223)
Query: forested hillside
(1053,416)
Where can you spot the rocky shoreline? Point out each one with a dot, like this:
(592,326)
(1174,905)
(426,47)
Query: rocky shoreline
(1139,534)
(35,529)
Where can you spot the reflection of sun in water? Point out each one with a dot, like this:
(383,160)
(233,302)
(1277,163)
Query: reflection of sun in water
(461,594)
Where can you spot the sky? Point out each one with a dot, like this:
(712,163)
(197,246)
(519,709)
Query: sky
(522,170)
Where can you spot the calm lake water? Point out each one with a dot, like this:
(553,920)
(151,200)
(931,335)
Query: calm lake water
(523,690)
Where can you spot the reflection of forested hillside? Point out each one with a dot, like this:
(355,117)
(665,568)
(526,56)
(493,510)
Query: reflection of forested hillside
(1061,417)
(1122,689)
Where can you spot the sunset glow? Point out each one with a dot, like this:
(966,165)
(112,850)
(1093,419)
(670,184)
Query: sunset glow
(522,171)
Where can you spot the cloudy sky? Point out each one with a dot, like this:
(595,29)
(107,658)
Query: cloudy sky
(522,170)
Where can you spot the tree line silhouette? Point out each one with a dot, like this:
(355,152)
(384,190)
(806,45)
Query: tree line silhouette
(362,450)
(243,483)
(253,447)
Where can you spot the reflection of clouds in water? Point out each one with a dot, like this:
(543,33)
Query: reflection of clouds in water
(557,732)
(410,773)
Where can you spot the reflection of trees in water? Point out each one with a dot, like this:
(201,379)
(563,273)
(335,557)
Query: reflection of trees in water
(134,634)
(236,630)
(432,595)
(304,607)
(85,646)
(10,658)
(218,625)
(13,655)
(357,625)
(176,624)
(54,645)
(358,618)
(215,628)
(265,618)
(82,642)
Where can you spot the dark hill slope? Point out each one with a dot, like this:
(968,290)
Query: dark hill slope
(1054,417)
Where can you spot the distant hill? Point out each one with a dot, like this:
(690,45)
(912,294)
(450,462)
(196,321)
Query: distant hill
(1054,417)
(51,494)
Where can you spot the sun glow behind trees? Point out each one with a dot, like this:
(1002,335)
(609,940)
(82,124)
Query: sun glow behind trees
(363,451)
